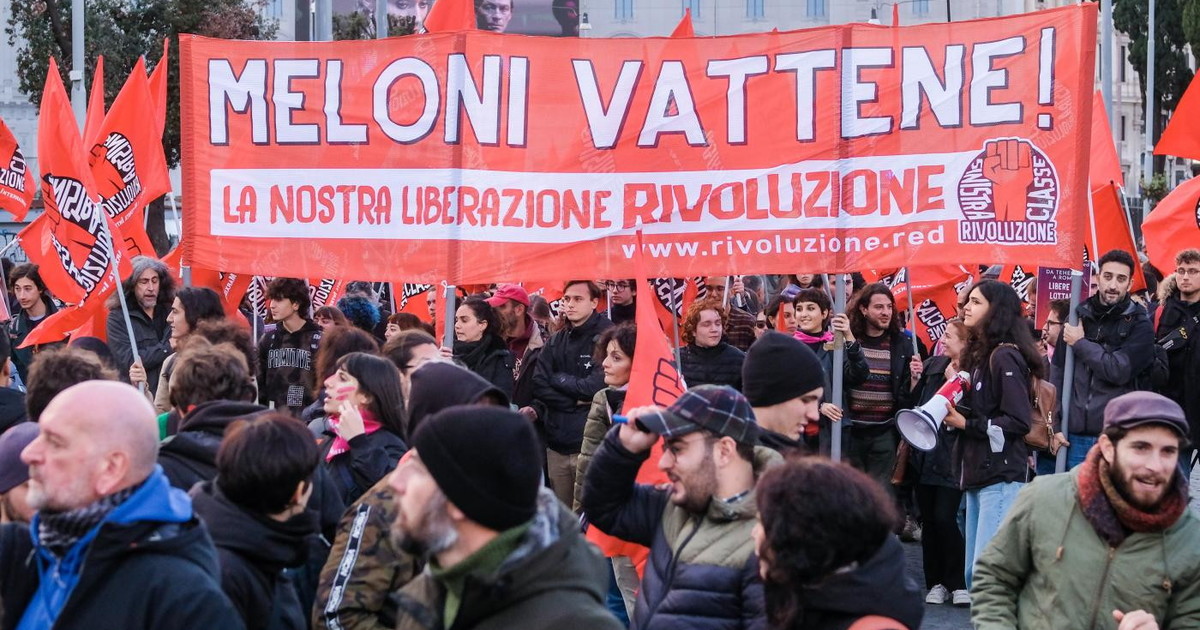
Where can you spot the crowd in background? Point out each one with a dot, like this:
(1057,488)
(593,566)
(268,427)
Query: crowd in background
(350,468)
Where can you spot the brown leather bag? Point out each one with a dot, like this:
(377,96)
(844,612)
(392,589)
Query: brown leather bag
(1044,400)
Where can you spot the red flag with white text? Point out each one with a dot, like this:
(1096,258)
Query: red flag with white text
(16,178)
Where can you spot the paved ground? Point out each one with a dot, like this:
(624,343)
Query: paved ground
(945,617)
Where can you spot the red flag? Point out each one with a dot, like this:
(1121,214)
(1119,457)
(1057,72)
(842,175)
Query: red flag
(1104,166)
(158,88)
(654,379)
(684,28)
(230,287)
(95,108)
(72,241)
(16,180)
(1111,230)
(1173,225)
(325,291)
(1182,135)
(935,296)
(448,16)
(127,162)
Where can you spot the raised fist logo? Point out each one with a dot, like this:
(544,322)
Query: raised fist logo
(1008,165)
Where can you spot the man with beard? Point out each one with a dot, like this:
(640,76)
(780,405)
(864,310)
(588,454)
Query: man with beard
(149,293)
(503,552)
(702,571)
(889,387)
(1114,344)
(1111,541)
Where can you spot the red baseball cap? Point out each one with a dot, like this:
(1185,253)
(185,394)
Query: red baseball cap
(506,292)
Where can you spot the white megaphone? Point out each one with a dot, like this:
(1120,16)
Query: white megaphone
(920,426)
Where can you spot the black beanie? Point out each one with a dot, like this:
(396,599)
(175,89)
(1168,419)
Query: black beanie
(486,461)
(778,368)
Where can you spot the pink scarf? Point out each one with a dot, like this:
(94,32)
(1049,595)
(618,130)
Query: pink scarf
(340,444)
(825,337)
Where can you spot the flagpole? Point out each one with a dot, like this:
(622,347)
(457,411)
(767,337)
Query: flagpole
(912,313)
(448,317)
(725,299)
(78,99)
(839,362)
(120,291)
(11,244)
(1060,465)
(676,313)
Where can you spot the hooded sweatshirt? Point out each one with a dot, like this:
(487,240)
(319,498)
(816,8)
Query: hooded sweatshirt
(254,550)
(878,586)
(438,385)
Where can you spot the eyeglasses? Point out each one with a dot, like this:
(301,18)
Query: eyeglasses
(760,324)
(616,286)
(1188,271)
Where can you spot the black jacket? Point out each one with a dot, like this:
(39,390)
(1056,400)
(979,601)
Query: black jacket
(286,367)
(190,456)
(566,379)
(1183,384)
(878,586)
(998,401)
(1116,348)
(153,335)
(12,408)
(254,551)
(370,458)
(19,327)
(854,372)
(554,580)
(936,467)
(144,574)
(718,365)
(702,573)
(489,357)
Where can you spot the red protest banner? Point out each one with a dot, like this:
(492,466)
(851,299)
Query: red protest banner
(465,157)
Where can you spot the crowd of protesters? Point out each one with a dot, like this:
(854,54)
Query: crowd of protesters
(351,469)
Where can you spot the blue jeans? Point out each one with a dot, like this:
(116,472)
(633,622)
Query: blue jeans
(986,509)
(1080,445)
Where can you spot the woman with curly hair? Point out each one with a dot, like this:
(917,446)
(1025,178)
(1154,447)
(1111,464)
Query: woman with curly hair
(826,552)
(992,461)
(707,359)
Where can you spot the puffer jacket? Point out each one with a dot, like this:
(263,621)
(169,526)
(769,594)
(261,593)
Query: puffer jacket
(998,410)
(553,580)
(718,365)
(1047,568)
(489,357)
(1184,360)
(565,380)
(702,572)
(1116,348)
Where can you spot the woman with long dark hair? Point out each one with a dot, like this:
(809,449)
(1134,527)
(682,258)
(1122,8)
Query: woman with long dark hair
(366,413)
(992,459)
(478,344)
(826,552)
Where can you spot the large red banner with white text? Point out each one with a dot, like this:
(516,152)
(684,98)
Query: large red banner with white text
(473,157)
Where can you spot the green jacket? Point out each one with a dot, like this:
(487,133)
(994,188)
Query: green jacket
(1047,569)
(554,580)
